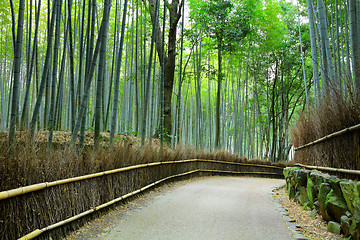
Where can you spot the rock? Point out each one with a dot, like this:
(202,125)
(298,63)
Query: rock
(357,190)
(297,196)
(303,196)
(330,179)
(291,191)
(299,236)
(292,227)
(284,213)
(335,204)
(334,227)
(290,175)
(348,191)
(287,170)
(345,225)
(310,192)
(354,229)
(354,221)
(288,184)
(356,215)
(323,192)
(318,179)
(289,219)
(335,183)
(317,204)
(301,178)
(356,199)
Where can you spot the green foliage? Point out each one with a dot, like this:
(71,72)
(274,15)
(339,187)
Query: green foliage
(222,20)
(5,14)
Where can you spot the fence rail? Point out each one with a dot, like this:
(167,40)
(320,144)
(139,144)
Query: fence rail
(329,169)
(332,135)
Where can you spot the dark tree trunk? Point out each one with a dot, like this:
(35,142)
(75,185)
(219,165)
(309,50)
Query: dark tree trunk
(45,72)
(17,63)
(169,59)
(218,97)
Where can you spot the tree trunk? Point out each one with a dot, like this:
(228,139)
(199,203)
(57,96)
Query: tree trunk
(45,72)
(218,97)
(81,117)
(101,75)
(176,131)
(17,64)
(26,105)
(303,61)
(154,36)
(169,60)
(117,76)
(72,71)
(314,55)
(354,41)
(328,82)
(54,72)
(162,84)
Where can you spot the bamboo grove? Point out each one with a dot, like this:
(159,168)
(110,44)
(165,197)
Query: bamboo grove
(220,74)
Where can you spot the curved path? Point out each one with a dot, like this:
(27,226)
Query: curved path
(208,208)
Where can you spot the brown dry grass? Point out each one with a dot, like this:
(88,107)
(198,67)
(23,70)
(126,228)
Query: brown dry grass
(334,114)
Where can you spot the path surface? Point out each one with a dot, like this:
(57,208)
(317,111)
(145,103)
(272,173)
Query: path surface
(208,208)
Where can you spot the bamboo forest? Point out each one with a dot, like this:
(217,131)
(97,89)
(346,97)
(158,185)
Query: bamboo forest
(231,75)
(180,119)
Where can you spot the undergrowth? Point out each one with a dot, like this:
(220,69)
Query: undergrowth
(35,163)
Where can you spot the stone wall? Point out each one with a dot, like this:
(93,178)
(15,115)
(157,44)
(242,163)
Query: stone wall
(337,200)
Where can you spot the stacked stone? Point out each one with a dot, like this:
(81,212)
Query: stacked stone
(337,200)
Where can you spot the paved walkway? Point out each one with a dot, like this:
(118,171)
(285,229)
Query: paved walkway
(209,208)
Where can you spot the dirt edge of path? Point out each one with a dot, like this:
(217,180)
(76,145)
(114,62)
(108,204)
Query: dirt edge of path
(302,220)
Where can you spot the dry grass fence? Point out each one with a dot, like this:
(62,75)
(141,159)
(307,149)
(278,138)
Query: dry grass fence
(329,136)
(46,208)
(339,172)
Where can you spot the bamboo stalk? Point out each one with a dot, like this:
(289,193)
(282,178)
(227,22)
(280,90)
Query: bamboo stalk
(329,169)
(31,235)
(40,186)
(22,190)
(332,135)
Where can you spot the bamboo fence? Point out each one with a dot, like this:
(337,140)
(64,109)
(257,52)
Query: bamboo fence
(258,169)
(332,135)
(329,169)
(37,232)
(40,186)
